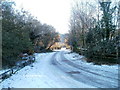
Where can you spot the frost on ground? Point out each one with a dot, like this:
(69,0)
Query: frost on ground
(107,73)
(44,74)
(2,71)
(41,74)
(78,59)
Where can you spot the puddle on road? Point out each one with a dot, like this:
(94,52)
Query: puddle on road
(54,63)
(65,60)
(74,72)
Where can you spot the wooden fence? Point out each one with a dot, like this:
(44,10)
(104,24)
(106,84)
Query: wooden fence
(16,68)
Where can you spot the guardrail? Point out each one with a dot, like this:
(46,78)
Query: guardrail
(16,68)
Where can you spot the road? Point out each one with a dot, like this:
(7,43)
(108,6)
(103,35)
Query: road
(91,76)
(54,70)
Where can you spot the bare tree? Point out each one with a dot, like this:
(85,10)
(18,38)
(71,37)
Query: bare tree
(82,18)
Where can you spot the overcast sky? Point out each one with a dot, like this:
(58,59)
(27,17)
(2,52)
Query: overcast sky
(52,12)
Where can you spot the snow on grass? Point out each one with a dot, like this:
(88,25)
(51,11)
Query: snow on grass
(26,77)
(3,70)
(41,74)
(79,59)
(107,73)
(109,70)
(73,56)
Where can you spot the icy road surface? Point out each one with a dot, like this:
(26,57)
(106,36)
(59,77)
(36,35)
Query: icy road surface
(62,69)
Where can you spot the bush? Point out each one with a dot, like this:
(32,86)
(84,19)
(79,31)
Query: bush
(15,38)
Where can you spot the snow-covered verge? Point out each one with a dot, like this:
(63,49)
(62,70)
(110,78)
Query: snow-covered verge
(3,70)
(108,73)
(42,74)
(78,59)
(21,79)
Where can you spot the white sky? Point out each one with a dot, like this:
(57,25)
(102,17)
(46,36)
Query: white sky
(52,12)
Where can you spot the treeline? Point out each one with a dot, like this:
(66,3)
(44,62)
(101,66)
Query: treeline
(95,31)
(23,33)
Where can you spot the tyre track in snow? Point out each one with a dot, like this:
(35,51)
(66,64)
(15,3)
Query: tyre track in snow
(42,74)
(87,77)
(83,68)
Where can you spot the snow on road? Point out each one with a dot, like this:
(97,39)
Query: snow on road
(105,76)
(62,69)
(110,70)
(102,69)
(100,76)
(42,74)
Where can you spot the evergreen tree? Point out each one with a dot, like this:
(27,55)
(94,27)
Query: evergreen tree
(106,22)
(15,38)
